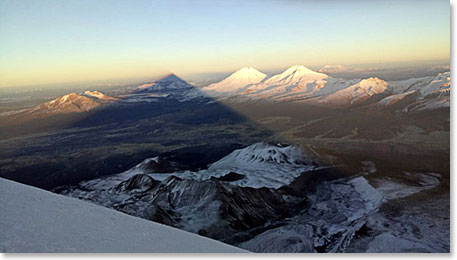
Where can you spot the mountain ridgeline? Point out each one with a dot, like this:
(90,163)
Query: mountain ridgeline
(302,85)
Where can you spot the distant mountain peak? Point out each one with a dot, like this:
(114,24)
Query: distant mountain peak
(239,79)
(248,70)
(67,98)
(295,74)
(358,92)
(302,70)
(338,68)
(248,74)
(69,103)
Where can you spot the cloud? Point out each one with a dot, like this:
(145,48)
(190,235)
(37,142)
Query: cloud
(344,69)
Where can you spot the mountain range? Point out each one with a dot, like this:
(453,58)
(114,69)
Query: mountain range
(296,84)
(300,84)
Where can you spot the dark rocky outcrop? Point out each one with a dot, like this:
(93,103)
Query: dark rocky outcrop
(213,208)
(307,182)
(231,176)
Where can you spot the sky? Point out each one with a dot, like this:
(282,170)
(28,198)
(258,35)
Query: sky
(52,41)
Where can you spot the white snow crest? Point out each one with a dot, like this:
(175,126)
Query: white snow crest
(239,79)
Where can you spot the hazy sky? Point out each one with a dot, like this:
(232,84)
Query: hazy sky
(51,41)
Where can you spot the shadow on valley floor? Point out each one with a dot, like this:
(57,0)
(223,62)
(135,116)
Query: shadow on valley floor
(393,142)
(169,118)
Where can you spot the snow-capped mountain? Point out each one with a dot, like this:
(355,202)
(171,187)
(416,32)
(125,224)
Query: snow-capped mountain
(282,164)
(356,93)
(239,79)
(300,84)
(69,104)
(38,221)
(265,153)
(295,74)
(427,93)
(73,102)
(292,79)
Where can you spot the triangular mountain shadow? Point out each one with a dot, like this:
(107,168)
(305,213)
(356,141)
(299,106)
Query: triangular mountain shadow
(167,117)
(170,98)
(170,81)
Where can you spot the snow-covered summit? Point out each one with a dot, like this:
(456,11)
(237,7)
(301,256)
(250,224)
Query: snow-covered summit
(295,78)
(294,74)
(265,153)
(73,102)
(239,79)
(68,103)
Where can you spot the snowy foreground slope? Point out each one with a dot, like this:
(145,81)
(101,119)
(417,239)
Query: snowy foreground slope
(34,220)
